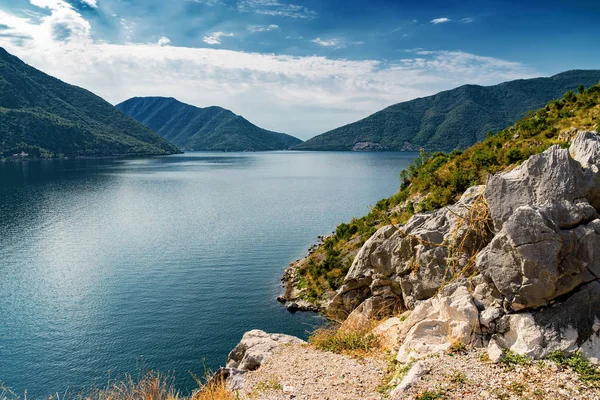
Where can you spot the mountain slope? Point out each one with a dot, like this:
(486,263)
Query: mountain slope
(42,115)
(210,128)
(454,119)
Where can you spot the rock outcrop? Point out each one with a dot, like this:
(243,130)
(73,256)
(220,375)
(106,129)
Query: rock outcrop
(397,267)
(440,322)
(514,264)
(255,347)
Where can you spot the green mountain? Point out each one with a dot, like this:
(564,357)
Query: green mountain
(210,128)
(454,119)
(46,117)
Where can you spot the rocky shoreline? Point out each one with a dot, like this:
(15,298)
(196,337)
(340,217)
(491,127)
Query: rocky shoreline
(292,297)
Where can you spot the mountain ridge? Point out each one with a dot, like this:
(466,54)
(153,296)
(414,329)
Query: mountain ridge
(44,116)
(451,119)
(196,128)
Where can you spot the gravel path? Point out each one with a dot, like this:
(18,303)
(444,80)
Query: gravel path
(300,372)
(467,377)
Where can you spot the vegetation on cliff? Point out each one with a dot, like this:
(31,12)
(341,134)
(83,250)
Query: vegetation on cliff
(439,179)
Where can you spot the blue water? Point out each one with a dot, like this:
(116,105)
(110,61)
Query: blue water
(112,266)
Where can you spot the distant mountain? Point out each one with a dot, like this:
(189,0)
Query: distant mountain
(44,116)
(454,119)
(210,128)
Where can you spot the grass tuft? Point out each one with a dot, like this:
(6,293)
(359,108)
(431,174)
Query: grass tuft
(151,386)
(429,395)
(352,338)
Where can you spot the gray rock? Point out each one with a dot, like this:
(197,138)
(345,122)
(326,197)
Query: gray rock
(566,326)
(531,261)
(418,370)
(546,226)
(489,315)
(536,287)
(586,149)
(551,178)
(396,268)
(255,347)
(438,323)
(495,352)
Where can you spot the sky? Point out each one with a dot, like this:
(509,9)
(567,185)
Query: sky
(298,66)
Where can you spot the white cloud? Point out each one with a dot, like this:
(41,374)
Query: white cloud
(440,20)
(128,28)
(64,24)
(467,20)
(90,3)
(327,43)
(262,28)
(215,37)
(276,8)
(298,95)
(211,3)
(164,41)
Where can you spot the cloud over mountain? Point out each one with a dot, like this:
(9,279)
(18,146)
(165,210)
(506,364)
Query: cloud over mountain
(301,95)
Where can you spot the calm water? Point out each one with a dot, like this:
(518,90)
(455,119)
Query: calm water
(112,266)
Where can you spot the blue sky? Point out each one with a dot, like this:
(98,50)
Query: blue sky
(301,67)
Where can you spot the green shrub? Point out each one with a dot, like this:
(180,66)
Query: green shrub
(510,358)
(513,156)
(586,371)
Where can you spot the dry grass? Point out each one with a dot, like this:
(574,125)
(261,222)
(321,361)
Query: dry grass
(215,389)
(354,337)
(151,386)
(470,235)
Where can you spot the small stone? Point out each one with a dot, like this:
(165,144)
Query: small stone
(418,370)
(495,352)
(288,389)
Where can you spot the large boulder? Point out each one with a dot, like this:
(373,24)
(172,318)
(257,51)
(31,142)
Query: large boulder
(552,179)
(547,239)
(566,326)
(435,325)
(532,261)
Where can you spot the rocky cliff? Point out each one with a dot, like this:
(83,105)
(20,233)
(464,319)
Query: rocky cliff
(512,267)
(514,264)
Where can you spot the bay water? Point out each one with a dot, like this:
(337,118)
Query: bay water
(116,266)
